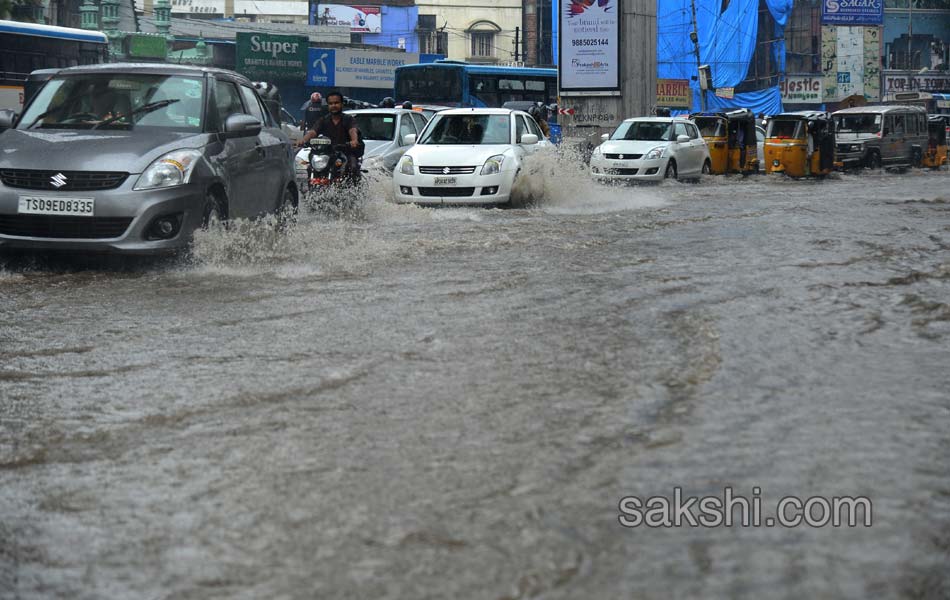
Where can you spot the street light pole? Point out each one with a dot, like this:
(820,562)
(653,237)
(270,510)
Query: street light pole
(910,34)
(694,37)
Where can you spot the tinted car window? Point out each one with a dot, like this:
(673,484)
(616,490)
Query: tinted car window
(253,106)
(693,132)
(654,131)
(376,126)
(227,101)
(468,129)
(406,126)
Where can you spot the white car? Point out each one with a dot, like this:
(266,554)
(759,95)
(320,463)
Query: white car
(651,148)
(467,156)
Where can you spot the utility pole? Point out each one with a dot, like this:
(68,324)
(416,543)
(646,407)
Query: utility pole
(694,37)
(910,35)
(517,43)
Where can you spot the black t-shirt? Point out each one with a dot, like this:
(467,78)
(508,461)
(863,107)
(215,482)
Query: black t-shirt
(313,112)
(337,133)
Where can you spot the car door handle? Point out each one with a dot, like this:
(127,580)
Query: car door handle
(260,149)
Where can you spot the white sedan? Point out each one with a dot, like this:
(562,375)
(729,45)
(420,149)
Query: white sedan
(467,156)
(651,149)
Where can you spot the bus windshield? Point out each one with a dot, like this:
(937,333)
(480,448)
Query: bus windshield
(868,123)
(433,85)
(117,101)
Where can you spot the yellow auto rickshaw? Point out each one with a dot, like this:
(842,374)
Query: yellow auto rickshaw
(713,128)
(800,144)
(730,136)
(936,154)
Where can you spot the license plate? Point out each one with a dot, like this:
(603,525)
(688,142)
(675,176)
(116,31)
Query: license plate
(445,180)
(620,164)
(73,207)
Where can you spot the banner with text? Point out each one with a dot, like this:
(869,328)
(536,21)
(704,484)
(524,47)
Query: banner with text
(801,89)
(589,54)
(852,12)
(271,57)
(360,19)
(673,93)
(329,67)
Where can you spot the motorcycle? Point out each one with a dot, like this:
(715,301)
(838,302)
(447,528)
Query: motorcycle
(328,184)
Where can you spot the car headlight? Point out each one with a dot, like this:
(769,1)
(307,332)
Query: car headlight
(656,152)
(596,153)
(319,162)
(493,164)
(406,166)
(174,168)
(856,147)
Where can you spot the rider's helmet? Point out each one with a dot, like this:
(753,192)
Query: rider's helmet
(535,111)
(316,98)
(387,102)
(407,105)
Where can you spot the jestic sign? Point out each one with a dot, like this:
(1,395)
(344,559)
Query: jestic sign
(801,90)
(271,57)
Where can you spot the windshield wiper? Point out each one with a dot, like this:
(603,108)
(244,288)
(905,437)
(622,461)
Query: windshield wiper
(145,108)
(43,115)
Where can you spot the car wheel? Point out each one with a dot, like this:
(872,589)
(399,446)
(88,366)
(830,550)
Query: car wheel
(707,168)
(287,208)
(873,161)
(214,214)
(670,170)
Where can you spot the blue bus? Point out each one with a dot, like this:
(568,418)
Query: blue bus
(456,83)
(28,47)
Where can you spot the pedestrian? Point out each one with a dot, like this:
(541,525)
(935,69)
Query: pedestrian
(313,109)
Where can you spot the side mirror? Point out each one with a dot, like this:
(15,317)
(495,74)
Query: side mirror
(7,119)
(409,139)
(682,139)
(604,136)
(240,125)
(529,139)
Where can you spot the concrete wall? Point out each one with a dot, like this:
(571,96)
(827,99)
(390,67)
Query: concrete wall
(601,114)
(399,24)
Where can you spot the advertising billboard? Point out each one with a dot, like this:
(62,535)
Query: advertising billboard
(339,67)
(589,52)
(801,89)
(674,93)
(852,12)
(271,57)
(360,19)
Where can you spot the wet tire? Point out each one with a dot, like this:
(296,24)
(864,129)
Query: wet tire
(670,172)
(214,214)
(873,161)
(287,208)
(707,168)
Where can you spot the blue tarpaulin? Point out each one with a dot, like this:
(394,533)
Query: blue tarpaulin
(727,40)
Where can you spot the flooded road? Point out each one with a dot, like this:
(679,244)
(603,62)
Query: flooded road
(451,403)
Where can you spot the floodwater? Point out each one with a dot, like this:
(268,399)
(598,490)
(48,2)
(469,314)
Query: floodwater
(450,403)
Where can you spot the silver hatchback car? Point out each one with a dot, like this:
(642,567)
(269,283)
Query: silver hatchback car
(133,158)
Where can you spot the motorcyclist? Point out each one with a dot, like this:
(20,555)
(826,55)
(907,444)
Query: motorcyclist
(387,102)
(537,112)
(340,129)
(313,110)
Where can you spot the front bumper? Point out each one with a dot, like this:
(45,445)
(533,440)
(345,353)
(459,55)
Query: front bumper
(142,207)
(473,189)
(642,169)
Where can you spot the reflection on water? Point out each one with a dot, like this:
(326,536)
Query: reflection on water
(414,402)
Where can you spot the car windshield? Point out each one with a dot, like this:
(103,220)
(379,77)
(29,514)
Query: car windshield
(376,126)
(468,129)
(868,123)
(117,101)
(652,131)
(784,129)
(710,127)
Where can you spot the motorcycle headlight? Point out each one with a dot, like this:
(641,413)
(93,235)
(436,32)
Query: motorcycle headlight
(319,162)
(656,152)
(174,168)
(406,166)
(493,164)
